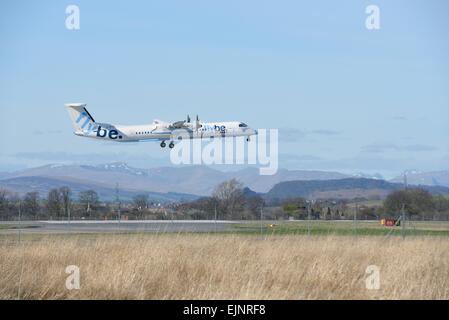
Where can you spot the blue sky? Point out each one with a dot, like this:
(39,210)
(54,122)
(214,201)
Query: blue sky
(344,98)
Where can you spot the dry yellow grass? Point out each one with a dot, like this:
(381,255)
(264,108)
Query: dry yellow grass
(224,267)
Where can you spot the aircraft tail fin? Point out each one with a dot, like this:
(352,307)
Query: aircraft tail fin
(81,119)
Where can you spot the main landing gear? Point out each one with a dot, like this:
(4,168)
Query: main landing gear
(171,145)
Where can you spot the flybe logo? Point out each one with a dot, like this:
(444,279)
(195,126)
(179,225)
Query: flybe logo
(207,127)
(87,121)
(112,134)
(100,132)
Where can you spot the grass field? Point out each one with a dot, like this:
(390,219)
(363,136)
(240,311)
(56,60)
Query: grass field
(223,266)
(335,228)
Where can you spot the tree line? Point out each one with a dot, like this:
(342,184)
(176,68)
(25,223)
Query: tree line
(229,201)
(416,203)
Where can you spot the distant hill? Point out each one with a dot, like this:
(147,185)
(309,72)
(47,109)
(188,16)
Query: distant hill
(433,178)
(251,178)
(248,193)
(197,180)
(191,182)
(342,188)
(42,185)
(4,175)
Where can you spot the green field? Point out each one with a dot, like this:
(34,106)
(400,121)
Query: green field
(302,227)
(366,228)
(367,203)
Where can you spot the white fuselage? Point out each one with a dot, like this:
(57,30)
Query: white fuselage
(163,131)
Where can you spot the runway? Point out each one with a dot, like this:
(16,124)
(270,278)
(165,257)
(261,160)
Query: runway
(109,226)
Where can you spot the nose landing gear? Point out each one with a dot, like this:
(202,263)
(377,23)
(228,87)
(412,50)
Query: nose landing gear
(171,145)
(163,144)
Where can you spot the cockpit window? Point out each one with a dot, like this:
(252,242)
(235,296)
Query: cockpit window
(243,125)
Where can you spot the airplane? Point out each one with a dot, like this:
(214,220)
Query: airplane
(85,126)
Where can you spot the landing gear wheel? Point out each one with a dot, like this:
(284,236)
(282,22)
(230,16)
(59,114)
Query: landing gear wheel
(163,144)
(171,145)
(248,139)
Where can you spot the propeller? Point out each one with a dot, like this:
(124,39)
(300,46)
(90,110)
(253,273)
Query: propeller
(197,123)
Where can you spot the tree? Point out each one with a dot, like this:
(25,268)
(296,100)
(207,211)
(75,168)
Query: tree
(141,201)
(31,205)
(441,206)
(54,203)
(415,201)
(15,205)
(229,196)
(254,204)
(328,214)
(65,193)
(88,199)
(295,207)
(4,203)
